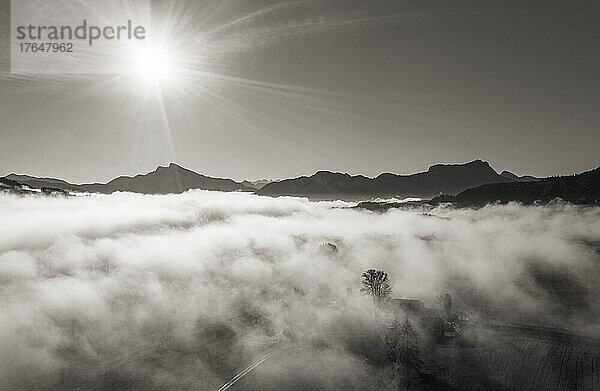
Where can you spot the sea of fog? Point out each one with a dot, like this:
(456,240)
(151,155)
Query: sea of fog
(178,291)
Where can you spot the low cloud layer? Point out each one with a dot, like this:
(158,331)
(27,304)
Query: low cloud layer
(180,291)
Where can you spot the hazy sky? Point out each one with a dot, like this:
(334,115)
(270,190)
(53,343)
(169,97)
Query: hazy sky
(283,88)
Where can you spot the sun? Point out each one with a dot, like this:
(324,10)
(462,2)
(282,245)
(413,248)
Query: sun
(154,64)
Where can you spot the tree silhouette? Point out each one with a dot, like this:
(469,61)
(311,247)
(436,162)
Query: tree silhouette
(376,284)
(447,301)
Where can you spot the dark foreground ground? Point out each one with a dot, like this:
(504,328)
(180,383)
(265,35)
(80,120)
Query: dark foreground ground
(495,358)
(485,358)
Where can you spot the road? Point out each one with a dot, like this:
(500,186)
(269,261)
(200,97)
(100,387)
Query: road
(252,366)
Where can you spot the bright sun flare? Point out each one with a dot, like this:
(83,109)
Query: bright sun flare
(154,64)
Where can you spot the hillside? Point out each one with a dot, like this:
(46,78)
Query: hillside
(516,178)
(440,178)
(15,187)
(582,189)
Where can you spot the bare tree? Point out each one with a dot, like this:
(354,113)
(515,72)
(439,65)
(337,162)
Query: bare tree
(376,284)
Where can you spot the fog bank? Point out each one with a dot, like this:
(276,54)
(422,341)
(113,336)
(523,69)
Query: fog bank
(180,291)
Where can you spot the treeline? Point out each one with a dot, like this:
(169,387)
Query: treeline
(580,189)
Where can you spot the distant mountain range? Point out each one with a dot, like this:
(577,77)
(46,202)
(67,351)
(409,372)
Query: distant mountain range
(259,184)
(582,189)
(439,179)
(469,184)
(163,180)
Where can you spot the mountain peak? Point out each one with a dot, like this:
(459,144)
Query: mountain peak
(172,167)
(473,166)
(325,173)
(510,175)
